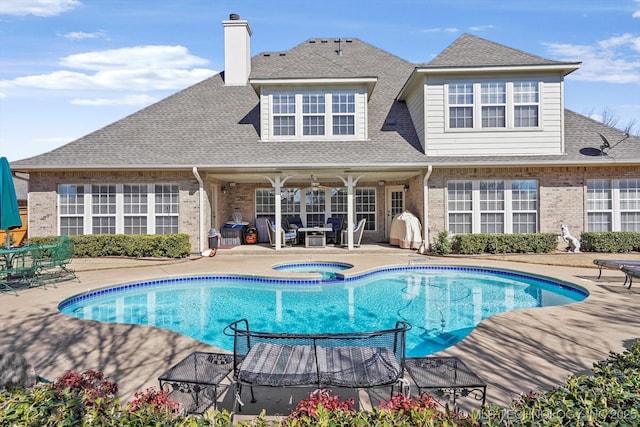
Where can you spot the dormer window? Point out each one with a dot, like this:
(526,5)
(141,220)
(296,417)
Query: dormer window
(314,113)
(284,114)
(493,104)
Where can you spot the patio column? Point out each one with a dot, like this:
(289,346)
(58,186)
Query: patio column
(350,183)
(277,184)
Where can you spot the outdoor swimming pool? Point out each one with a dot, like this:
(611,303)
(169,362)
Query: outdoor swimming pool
(443,304)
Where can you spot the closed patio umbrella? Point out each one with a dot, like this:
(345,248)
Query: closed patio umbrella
(9,211)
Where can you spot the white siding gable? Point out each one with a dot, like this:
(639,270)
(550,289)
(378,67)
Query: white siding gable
(440,139)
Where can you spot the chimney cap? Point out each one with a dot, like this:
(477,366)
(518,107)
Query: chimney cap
(234,16)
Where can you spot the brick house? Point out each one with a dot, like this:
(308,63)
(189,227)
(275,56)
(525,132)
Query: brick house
(476,140)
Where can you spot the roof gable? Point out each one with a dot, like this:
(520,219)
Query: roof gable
(472,51)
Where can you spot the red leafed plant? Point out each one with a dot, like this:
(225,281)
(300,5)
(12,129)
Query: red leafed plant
(309,407)
(91,383)
(158,399)
(399,403)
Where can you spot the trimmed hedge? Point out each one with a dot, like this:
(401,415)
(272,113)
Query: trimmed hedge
(484,243)
(127,245)
(613,242)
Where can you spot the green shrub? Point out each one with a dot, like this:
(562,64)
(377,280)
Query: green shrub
(489,243)
(613,242)
(442,246)
(128,245)
(610,396)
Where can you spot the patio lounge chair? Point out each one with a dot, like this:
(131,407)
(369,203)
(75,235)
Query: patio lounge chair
(54,262)
(289,236)
(616,264)
(336,224)
(293,223)
(630,272)
(357,234)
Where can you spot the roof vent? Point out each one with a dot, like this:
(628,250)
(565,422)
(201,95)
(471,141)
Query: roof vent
(234,17)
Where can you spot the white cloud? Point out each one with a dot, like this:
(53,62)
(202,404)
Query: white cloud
(138,56)
(80,35)
(3,95)
(136,100)
(43,8)
(440,30)
(481,27)
(636,14)
(137,69)
(614,60)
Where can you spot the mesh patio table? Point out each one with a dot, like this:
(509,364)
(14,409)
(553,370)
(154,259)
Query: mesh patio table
(199,375)
(448,377)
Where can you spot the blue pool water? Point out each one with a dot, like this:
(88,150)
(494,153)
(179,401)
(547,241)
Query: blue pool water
(443,304)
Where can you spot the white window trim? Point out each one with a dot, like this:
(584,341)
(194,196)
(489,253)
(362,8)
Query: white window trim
(616,210)
(476,213)
(360,113)
(88,214)
(477,106)
(327,212)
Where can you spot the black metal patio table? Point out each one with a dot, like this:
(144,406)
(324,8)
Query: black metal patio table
(199,375)
(448,377)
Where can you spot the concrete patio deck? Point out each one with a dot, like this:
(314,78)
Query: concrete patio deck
(532,349)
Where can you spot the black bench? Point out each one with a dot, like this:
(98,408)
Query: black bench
(351,359)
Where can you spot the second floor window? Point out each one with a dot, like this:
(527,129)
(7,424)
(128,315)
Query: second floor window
(494,100)
(316,114)
(461,105)
(284,114)
(493,105)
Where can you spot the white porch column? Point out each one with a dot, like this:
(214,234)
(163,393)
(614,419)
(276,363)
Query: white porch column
(277,184)
(350,183)
(425,208)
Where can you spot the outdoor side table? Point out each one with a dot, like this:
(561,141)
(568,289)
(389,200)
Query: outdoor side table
(199,375)
(448,377)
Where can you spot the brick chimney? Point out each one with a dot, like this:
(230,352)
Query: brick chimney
(237,51)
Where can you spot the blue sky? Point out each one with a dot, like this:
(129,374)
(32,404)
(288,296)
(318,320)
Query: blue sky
(69,67)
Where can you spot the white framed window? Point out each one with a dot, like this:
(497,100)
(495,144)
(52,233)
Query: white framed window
(284,114)
(365,207)
(524,205)
(315,206)
(493,100)
(71,209)
(630,205)
(492,206)
(117,208)
(460,207)
(460,105)
(103,209)
(135,206)
(343,107)
(526,105)
(166,208)
(316,114)
(493,104)
(313,114)
(613,205)
(319,204)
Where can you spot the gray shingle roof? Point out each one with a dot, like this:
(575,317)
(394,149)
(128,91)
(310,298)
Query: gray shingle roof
(472,51)
(210,125)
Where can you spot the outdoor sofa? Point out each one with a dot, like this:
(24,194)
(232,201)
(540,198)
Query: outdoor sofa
(351,359)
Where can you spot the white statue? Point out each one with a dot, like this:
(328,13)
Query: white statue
(574,243)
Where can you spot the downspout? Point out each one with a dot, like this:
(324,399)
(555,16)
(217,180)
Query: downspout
(201,211)
(425,188)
